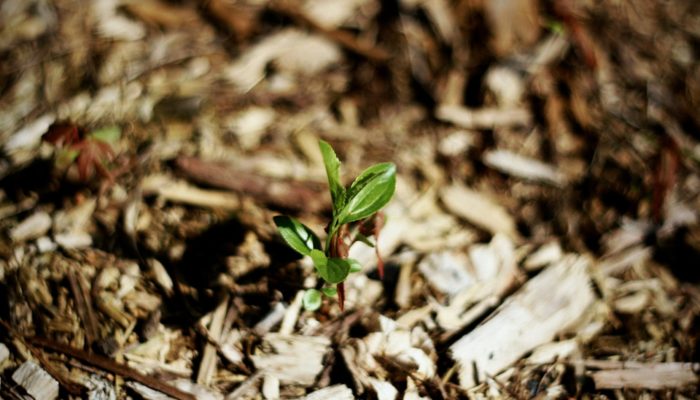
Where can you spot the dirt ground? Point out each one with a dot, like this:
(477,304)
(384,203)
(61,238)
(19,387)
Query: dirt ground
(543,240)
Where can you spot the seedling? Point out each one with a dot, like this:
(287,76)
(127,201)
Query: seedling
(90,152)
(356,216)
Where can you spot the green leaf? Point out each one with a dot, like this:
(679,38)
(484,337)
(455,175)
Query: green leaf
(320,260)
(329,291)
(297,235)
(369,192)
(355,265)
(110,134)
(311,300)
(330,160)
(335,270)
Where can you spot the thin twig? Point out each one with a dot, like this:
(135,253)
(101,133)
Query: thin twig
(113,367)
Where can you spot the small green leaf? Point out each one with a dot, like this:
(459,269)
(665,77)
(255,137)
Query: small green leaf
(297,235)
(335,270)
(109,134)
(369,192)
(330,160)
(355,265)
(311,300)
(329,291)
(320,260)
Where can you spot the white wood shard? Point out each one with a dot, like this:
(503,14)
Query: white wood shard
(523,167)
(100,388)
(293,50)
(4,352)
(250,125)
(293,359)
(652,376)
(73,240)
(34,226)
(547,305)
(479,210)
(271,319)
(495,271)
(77,219)
(161,276)
(207,367)
(447,271)
(335,392)
(456,143)
(483,118)
(179,191)
(291,314)
(30,135)
(547,254)
(333,13)
(383,389)
(37,382)
(271,387)
(506,84)
(554,351)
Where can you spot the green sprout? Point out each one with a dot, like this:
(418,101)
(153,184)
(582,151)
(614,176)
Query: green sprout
(356,216)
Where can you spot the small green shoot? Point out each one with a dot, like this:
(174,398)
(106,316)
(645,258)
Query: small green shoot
(355,216)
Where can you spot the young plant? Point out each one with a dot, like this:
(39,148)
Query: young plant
(355,217)
(89,152)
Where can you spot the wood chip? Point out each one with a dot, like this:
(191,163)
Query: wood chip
(651,376)
(293,359)
(34,226)
(479,210)
(525,321)
(545,255)
(207,367)
(447,271)
(36,381)
(292,49)
(179,191)
(523,167)
(335,392)
(483,118)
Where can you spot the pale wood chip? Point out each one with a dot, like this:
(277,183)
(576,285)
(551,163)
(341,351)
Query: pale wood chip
(483,118)
(652,376)
(180,191)
(36,381)
(524,167)
(293,359)
(479,210)
(34,226)
(525,320)
(335,392)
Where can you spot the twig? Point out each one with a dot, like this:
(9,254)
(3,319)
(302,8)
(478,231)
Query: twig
(291,195)
(72,387)
(113,367)
(83,304)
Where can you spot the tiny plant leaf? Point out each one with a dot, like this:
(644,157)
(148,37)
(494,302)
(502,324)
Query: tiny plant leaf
(335,270)
(329,291)
(330,160)
(369,192)
(320,260)
(110,134)
(355,265)
(311,300)
(297,235)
